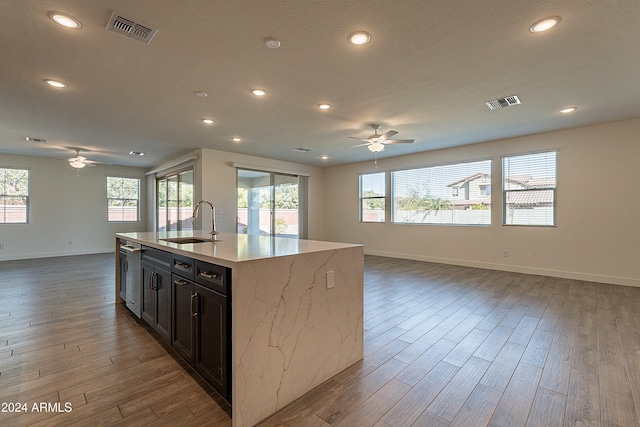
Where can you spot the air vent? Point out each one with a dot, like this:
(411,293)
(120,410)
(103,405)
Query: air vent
(129,28)
(302,149)
(40,140)
(503,102)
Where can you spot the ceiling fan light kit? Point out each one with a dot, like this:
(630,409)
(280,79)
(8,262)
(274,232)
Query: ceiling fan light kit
(77,164)
(376,147)
(79,161)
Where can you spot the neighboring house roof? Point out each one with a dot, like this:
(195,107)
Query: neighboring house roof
(530,182)
(530,198)
(470,178)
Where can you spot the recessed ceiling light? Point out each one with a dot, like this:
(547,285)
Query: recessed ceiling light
(65,20)
(568,110)
(545,24)
(324,157)
(324,106)
(272,43)
(359,37)
(207,121)
(136,153)
(258,92)
(55,83)
(200,94)
(236,139)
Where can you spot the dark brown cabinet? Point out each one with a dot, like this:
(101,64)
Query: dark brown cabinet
(212,341)
(156,291)
(201,319)
(183,310)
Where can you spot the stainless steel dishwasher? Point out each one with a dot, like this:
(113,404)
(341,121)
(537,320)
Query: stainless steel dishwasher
(130,254)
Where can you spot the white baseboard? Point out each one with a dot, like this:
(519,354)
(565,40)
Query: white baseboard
(55,254)
(614,280)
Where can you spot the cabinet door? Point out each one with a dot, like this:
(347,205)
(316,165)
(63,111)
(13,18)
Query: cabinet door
(148,309)
(163,303)
(212,358)
(183,308)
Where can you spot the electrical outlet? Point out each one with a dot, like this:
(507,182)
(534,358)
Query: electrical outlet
(70,242)
(330,279)
(505,254)
(2,246)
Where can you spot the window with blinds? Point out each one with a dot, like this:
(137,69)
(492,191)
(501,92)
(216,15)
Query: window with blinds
(123,199)
(372,197)
(458,194)
(529,189)
(14,196)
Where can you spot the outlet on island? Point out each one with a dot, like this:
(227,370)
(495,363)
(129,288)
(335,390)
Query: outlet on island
(330,280)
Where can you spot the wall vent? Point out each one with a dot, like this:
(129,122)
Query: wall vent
(129,28)
(503,102)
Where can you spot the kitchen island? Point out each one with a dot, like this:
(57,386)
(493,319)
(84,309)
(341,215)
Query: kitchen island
(296,312)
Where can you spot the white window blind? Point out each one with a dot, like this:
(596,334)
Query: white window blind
(449,194)
(14,196)
(123,199)
(529,189)
(372,197)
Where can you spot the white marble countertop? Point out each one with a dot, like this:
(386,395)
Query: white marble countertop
(230,247)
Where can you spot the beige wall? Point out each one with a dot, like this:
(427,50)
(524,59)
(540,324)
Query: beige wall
(65,207)
(597,237)
(218,183)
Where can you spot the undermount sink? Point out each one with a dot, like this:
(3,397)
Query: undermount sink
(183,240)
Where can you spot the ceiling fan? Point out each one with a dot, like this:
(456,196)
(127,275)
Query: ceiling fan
(377,142)
(79,161)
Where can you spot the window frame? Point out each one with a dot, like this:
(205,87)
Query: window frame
(27,197)
(553,189)
(455,192)
(362,199)
(123,199)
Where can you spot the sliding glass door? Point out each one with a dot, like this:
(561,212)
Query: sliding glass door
(268,204)
(175,201)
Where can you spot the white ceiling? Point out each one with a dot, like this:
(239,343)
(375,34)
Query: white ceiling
(427,73)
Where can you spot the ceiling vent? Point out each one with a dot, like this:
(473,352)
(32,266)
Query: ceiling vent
(129,28)
(503,102)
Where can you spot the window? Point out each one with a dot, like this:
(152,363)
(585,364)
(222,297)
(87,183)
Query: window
(14,196)
(372,197)
(447,194)
(175,201)
(123,199)
(529,189)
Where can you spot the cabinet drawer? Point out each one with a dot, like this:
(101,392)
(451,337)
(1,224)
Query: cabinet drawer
(156,257)
(183,266)
(213,276)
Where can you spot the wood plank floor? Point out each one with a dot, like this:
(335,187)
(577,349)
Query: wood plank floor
(444,346)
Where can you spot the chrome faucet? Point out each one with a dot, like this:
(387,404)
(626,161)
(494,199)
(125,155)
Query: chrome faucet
(213,216)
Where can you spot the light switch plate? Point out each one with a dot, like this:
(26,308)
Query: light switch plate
(330,280)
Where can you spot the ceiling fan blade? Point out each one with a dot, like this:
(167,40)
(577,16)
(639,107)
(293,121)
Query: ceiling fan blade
(361,145)
(359,139)
(398,141)
(387,135)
